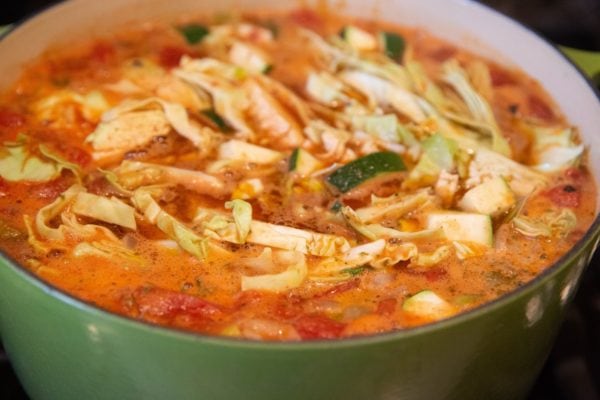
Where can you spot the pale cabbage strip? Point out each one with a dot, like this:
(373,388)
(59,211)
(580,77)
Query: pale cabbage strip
(378,231)
(334,140)
(521,179)
(376,254)
(266,234)
(270,117)
(131,124)
(290,278)
(247,152)
(242,216)
(286,97)
(393,207)
(110,210)
(187,239)
(222,81)
(245,100)
(18,164)
(337,57)
(128,131)
(51,108)
(480,109)
(44,237)
(325,88)
(557,223)
(554,148)
(384,93)
(134,174)
(61,163)
(107,249)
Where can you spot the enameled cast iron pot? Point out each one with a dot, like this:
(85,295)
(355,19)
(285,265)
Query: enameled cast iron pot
(62,348)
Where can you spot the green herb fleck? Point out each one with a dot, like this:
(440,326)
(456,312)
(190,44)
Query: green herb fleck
(217,120)
(355,271)
(272,26)
(393,45)
(336,207)
(193,33)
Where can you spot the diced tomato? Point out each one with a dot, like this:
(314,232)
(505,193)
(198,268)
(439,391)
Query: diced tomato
(318,327)
(574,173)
(288,307)
(49,190)
(538,108)
(163,303)
(435,274)
(339,288)
(169,56)
(76,155)
(564,195)
(11,119)
(102,52)
(387,306)
(247,297)
(500,77)
(307,18)
(442,54)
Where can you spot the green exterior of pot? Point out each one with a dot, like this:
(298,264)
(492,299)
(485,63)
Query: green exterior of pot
(64,349)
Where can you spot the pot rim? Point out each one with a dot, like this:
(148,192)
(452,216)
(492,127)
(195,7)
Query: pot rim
(591,237)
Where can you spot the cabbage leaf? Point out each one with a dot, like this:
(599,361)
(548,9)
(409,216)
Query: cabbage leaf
(291,278)
(187,239)
(134,174)
(242,216)
(110,210)
(479,108)
(266,234)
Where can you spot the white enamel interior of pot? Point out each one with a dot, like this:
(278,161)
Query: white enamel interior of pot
(462,22)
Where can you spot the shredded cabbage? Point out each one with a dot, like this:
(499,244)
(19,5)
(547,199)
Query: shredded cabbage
(554,149)
(277,236)
(132,124)
(174,229)
(393,207)
(455,76)
(242,215)
(17,163)
(110,210)
(557,223)
(291,278)
(429,259)
(134,174)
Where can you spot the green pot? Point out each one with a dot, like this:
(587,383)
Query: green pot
(63,348)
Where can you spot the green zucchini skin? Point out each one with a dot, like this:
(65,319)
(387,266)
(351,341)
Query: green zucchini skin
(362,169)
(393,45)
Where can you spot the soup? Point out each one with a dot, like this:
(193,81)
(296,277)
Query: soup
(285,176)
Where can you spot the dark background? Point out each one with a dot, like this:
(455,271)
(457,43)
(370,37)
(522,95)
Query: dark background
(573,368)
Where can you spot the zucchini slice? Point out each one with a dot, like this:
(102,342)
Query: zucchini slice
(428,304)
(462,226)
(492,197)
(303,163)
(362,169)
